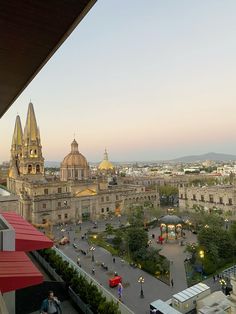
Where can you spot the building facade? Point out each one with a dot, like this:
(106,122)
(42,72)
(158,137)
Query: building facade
(217,197)
(72,197)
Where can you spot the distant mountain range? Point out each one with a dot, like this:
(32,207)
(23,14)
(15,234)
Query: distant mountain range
(184,159)
(203,157)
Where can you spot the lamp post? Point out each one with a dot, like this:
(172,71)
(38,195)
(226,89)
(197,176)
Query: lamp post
(141,281)
(92,249)
(223,285)
(226,224)
(201,254)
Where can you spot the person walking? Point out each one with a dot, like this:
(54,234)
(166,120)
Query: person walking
(93,271)
(172,282)
(51,305)
(114,260)
(120,291)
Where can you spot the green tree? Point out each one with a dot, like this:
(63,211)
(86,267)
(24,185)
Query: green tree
(136,216)
(137,238)
(167,194)
(109,229)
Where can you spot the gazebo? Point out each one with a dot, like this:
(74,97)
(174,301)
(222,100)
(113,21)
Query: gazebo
(171,227)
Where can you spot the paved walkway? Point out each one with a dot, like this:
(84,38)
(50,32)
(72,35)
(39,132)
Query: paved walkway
(153,288)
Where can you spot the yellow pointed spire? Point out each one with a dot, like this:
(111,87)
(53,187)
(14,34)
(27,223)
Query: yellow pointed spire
(31,130)
(105,164)
(18,134)
(105,154)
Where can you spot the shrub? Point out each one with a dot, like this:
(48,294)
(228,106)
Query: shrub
(87,291)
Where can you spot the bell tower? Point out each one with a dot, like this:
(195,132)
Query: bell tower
(16,149)
(31,164)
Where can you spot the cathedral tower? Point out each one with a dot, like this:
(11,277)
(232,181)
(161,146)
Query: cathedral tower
(32,162)
(16,149)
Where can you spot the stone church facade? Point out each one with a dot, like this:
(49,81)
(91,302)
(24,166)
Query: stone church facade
(72,197)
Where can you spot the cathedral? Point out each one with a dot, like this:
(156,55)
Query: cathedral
(75,195)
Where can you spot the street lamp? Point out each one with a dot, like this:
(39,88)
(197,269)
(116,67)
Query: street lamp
(141,281)
(223,285)
(226,223)
(92,249)
(201,254)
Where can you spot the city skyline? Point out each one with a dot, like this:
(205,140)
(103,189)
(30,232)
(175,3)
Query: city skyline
(156,84)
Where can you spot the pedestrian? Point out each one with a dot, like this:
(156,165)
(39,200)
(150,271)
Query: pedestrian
(172,282)
(214,278)
(51,305)
(93,271)
(114,260)
(120,291)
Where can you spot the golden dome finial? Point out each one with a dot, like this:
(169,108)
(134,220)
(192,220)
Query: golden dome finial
(105,164)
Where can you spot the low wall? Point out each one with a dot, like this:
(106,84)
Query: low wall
(109,296)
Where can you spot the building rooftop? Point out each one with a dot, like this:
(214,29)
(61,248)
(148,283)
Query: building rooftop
(190,292)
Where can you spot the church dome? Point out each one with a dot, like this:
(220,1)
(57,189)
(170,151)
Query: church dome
(105,164)
(74,166)
(74,158)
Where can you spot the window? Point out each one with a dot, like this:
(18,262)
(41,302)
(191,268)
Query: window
(202,198)
(44,205)
(185,196)
(230,201)
(117,197)
(102,210)
(59,216)
(181,196)
(59,204)
(45,191)
(65,203)
(102,199)
(221,200)
(59,190)
(29,168)
(107,209)
(211,199)
(194,197)
(37,168)
(107,198)
(66,216)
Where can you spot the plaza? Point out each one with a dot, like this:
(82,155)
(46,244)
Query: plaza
(153,288)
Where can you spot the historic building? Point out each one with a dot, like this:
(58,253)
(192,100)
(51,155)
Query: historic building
(210,198)
(105,166)
(74,196)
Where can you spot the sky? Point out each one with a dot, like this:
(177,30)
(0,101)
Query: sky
(147,79)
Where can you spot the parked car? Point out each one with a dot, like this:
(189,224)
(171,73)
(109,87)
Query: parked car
(75,245)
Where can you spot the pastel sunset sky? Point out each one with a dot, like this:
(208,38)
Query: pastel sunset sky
(148,79)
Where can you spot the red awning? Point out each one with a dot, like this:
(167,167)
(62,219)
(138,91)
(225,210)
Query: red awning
(17,271)
(27,237)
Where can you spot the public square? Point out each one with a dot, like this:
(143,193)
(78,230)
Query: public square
(153,288)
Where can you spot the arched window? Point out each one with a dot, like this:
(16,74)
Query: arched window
(37,168)
(29,168)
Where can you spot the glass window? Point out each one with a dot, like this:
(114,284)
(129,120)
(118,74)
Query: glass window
(45,191)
